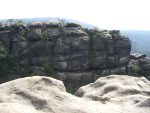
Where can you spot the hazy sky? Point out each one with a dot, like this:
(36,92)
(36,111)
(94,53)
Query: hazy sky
(109,14)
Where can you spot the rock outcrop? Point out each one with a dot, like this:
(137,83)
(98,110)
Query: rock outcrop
(137,56)
(139,67)
(112,94)
(145,67)
(119,89)
(77,55)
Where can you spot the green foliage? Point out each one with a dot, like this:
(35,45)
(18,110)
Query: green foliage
(45,35)
(62,25)
(28,69)
(5,61)
(15,25)
(10,20)
(48,68)
(94,32)
(62,22)
(134,68)
(18,29)
(3,52)
(5,65)
(19,21)
(14,21)
(70,89)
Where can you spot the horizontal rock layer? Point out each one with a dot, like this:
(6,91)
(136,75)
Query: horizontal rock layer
(67,48)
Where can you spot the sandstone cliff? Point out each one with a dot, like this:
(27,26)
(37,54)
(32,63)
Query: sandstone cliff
(76,55)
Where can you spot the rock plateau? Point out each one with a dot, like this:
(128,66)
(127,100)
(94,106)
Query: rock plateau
(111,94)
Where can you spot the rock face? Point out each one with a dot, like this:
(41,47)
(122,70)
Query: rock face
(41,94)
(77,55)
(139,67)
(145,67)
(118,89)
(38,95)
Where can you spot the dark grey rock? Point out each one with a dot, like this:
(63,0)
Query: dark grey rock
(99,62)
(124,60)
(34,35)
(52,33)
(112,61)
(99,44)
(74,78)
(119,70)
(60,65)
(145,63)
(77,54)
(61,76)
(74,32)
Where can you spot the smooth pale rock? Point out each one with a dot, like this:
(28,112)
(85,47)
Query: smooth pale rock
(137,56)
(15,108)
(118,89)
(41,94)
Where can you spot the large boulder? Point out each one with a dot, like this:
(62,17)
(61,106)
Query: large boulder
(38,95)
(118,89)
(41,94)
(144,64)
(139,67)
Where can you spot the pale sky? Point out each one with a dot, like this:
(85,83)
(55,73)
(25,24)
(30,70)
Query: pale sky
(105,14)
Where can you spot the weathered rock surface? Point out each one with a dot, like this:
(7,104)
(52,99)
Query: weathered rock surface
(137,56)
(145,67)
(118,89)
(145,63)
(139,67)
(41,94)
(68,49)
(38,95)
